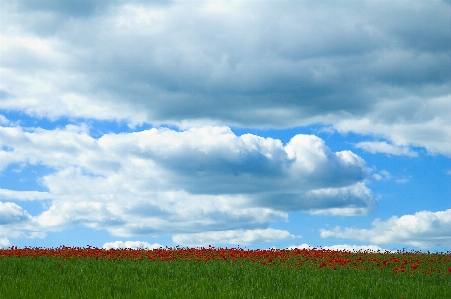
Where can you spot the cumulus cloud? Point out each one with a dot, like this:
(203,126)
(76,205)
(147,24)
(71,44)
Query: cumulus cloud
(384,147)
(131,245)
(355,66)
(358,200)
(16,222)
(423,229)
(4,243)
(161,181)
(236,237)
(10,213)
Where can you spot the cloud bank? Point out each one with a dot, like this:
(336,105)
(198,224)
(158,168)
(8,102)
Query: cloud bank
(160,181)
(374,68)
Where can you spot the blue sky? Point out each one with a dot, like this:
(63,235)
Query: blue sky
(195,123)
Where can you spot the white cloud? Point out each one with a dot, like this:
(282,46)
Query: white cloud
(358,200)
(424,229)
(382,175)
(161,181)
(423,123)
(11,213)
(6,194)
(342,247)
(302,246)
(4,121)
(16,222)
(4,243)
(356,67)
(385,148)
(131,244)
(236,237)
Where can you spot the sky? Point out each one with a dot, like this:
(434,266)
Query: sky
(259,124)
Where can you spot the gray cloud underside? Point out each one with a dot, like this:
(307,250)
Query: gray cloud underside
(163,181)
(369,67)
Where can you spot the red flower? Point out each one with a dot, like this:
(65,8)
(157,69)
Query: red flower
(413,267)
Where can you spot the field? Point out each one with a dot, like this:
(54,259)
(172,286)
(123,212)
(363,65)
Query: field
(68,272)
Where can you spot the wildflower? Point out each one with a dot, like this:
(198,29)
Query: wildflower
(413,267)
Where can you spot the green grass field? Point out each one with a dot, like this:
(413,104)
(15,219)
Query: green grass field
(57,277)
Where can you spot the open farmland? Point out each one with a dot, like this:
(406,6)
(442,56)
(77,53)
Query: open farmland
(68,272)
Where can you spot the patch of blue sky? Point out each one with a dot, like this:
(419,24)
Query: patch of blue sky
(26,121)
(34,208)
(6,148)
(415,184)
(24,177)
(70,237)
(97,128)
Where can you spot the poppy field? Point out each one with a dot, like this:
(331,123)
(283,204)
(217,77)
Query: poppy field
(76,272)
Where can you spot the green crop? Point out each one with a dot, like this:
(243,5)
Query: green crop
(221,273)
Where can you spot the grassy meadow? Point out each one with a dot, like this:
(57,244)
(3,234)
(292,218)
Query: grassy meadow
(221,273)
